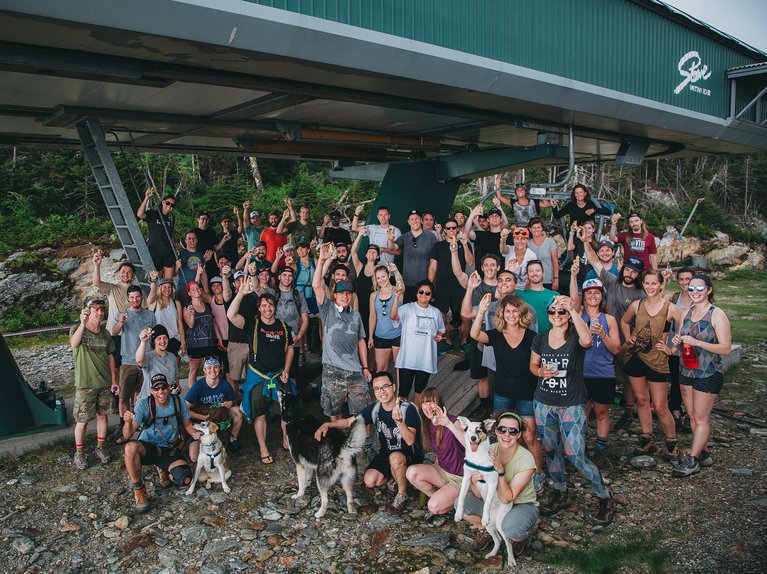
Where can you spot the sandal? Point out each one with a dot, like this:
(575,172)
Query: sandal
(265,458)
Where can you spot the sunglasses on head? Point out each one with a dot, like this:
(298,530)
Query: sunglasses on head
(520,232)
(510,430)
(422,292)
(552,311)
(698,288)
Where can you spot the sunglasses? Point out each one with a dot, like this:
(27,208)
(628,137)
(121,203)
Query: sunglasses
(422,292)
(698,288)
(520,232)
(169,203)
(450,228)
(415,244)
(382,388)
(510,430)
(557,311)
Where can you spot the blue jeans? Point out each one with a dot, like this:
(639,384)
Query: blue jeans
(521,407)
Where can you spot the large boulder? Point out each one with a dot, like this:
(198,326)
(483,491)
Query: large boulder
(719,241)
(754,260)
(727,256)
(670,249)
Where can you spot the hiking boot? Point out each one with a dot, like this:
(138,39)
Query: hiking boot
(688,465)
(235,448)
(646,446)
(102,455)
(430,517)
(481,541)
(672,452)
(605,513)
(391,488)
(398,505)
(706,459)
(539,482)
(142,499)
(164,477)
(80,461)
(518,546)
(554,502)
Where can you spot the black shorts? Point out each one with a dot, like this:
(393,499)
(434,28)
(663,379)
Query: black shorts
(380,461)
(712,384)
(174,346)
(159,456)
(379,343)
(475,362)
(202,352)
(163,259)
(409,378)
(600,391)
(449,298)
(636,367)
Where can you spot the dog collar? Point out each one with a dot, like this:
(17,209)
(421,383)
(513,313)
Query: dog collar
(478,467)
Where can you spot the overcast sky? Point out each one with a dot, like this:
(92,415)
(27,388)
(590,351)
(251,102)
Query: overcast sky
(746,20)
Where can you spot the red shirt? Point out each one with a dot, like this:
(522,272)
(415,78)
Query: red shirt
(273,241)
(638,246)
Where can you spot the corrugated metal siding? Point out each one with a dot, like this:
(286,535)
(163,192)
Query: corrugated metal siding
(615,44)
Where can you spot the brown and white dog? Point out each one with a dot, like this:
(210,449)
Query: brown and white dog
(477,443)
(212,463)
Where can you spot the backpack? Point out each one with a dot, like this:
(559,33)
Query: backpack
(402,405)
(180,438)
(285,329)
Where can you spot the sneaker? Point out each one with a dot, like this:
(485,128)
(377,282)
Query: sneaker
(235,448)
(80,461)
(553,503)
(102,455)
(688,465)
(164,478)
(605,513)
(646,446)
(142,499)
(706,459)
(430,517)
(481,541)
(398,504)
(539,481)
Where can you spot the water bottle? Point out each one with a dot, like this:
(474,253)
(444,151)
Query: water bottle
(689,357)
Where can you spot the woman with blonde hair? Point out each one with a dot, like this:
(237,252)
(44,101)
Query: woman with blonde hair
(167,312)
(383,332)
(514,384)
(440,433)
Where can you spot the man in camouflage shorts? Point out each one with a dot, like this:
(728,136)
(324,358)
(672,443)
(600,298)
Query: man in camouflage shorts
(95,379)
(345,372)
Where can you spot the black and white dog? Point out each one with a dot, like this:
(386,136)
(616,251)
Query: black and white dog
(477,443)
(333,457)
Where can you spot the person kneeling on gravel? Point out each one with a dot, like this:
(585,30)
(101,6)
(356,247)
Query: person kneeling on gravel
(161,418)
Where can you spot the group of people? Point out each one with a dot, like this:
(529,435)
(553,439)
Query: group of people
(544,355)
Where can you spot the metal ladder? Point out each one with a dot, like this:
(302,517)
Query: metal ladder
(115,198)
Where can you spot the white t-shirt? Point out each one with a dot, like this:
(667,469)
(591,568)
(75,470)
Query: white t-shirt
(520,270)
(418,350)
(378,236)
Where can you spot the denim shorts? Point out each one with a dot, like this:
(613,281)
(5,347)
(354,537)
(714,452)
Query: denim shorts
(522,407)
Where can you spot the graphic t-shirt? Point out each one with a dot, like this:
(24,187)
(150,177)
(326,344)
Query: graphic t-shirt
(638,246)
(202,393)
(190,262)
(157,224)
(267,353)
(388,433)
(418,349)
(566,388)
(342,331)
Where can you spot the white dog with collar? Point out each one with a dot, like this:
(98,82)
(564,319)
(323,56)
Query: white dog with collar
(477,443)
(212,463)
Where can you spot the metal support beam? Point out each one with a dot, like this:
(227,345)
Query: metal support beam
(489,162)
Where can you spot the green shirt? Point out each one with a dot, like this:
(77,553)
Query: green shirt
(91,359)
(539,300)
(253,235)
(521,461)
(300,232)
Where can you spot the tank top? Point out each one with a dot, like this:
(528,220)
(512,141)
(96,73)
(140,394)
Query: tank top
(672,331)
(304,277)
(219,315)
(524,213)
(201,335)
(709,363)
(168,318)
(364,289)
(599,361)
(385,327)
(656,325)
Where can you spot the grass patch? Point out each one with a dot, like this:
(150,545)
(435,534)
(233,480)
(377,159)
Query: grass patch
(42,340)
(29,316)
(745,302)
(637,550)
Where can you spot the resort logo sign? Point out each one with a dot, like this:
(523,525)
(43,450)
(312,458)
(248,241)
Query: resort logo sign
(693,70)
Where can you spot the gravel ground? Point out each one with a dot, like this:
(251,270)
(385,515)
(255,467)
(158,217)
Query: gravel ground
(56,519)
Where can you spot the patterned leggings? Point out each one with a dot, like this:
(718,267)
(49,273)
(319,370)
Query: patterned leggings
(560,427)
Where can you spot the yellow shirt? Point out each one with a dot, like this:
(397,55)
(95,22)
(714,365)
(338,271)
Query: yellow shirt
(521,461)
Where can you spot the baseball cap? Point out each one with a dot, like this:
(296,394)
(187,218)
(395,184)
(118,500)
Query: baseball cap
(592,284)
(375,247)
(225,217)
(635,263)
(342,286)
(482,216)
(255,214)
(305,244)
(341,244)
(94,301)
(494,211)
(165,281)
(288,247)
(211,362)
(216,279)
(238,275)
(286,269)
(159,380)
(606,243)
(414,212)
